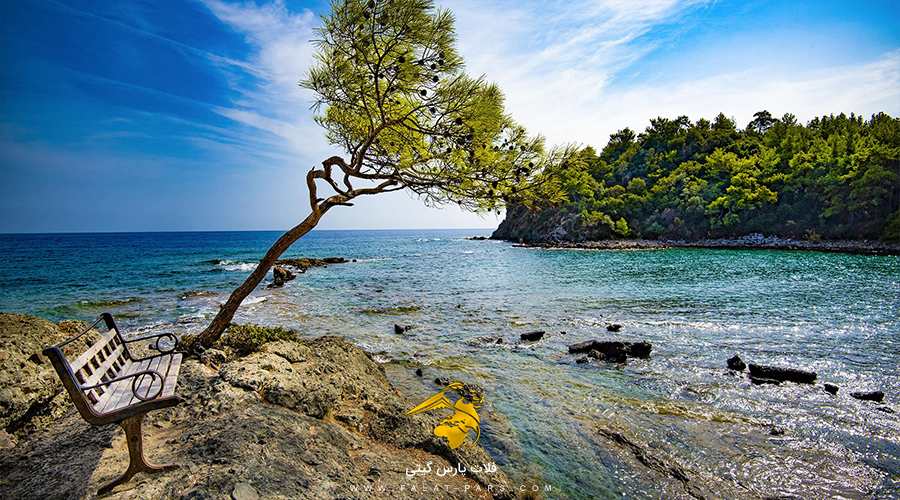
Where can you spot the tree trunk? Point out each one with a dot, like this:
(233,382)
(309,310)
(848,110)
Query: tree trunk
(226,312)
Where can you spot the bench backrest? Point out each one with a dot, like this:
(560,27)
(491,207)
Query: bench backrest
(102,361)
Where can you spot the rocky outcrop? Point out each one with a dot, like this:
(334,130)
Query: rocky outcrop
(30,391)
(612,351)
(313,419)
(563,228)
(303,263)
(281,276)
(763,372)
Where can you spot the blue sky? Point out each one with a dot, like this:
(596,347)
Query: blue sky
(185,115)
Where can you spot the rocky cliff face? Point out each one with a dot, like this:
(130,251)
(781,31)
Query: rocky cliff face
(551,225)
(311,419)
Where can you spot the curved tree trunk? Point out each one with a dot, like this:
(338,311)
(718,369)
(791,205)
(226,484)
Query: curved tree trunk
(226,312)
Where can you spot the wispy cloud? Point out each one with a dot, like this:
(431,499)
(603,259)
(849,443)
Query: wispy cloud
(560,64)
(282,52)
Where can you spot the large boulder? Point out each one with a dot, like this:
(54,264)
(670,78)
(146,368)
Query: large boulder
(30,391)
(781,374)
(255,371)
(282,276)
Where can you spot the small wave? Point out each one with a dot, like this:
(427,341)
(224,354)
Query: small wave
(467,252)
(254,300)
(233,265)
(374,259)
(100,303)
(187,320)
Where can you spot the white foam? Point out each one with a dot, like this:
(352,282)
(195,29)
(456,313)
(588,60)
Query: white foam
(231,265)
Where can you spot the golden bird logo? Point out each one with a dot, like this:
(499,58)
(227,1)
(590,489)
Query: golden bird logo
(455,428)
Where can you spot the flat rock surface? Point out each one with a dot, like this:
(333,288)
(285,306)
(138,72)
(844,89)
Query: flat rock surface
(336,429)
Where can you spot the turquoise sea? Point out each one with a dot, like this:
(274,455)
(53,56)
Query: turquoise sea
(586,431)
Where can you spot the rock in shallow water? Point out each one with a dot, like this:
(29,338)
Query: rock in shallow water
(736,363)
(533,336)
(876,396)
(282,276)
(614,351)
(781,374)
(831,389)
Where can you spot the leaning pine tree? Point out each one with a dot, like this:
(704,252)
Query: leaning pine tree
(392,92)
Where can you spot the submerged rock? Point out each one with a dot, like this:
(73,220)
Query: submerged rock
(401,329)
(781,374)
(876,396)
(533,336)
(736,363)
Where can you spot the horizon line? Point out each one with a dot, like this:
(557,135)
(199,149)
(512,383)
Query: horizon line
(241,231)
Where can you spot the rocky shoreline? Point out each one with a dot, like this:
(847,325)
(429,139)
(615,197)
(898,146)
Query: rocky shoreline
(312,418)
(751,242)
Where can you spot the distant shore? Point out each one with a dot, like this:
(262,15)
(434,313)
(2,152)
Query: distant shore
(865,247)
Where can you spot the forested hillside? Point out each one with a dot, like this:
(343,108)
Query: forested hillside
(837,177)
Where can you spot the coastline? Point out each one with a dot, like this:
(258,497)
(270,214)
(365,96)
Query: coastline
(752,242)
(303,418)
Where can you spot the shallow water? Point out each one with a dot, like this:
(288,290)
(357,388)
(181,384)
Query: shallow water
(835,314)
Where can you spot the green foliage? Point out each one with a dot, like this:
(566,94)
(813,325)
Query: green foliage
(246,339)
(836,177)
(392,91)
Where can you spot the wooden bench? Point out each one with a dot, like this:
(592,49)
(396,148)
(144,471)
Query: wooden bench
(110,385)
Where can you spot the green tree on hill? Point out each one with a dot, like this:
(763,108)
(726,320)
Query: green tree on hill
(391,91)
(835,177)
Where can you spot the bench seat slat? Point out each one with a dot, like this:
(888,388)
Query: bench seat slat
(149,384)
(121,390)
(120,395)
(172,375)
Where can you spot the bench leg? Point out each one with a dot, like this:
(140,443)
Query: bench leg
(137,462)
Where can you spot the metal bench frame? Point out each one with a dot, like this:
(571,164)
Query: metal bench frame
(109,385)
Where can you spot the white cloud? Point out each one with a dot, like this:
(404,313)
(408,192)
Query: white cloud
(558,61)
(281,54)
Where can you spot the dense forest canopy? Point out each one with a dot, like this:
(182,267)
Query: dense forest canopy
(837,177)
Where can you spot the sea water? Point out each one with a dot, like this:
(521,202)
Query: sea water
(584,431)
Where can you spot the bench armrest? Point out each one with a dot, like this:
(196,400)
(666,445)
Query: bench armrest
(158,337)
(136,376)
